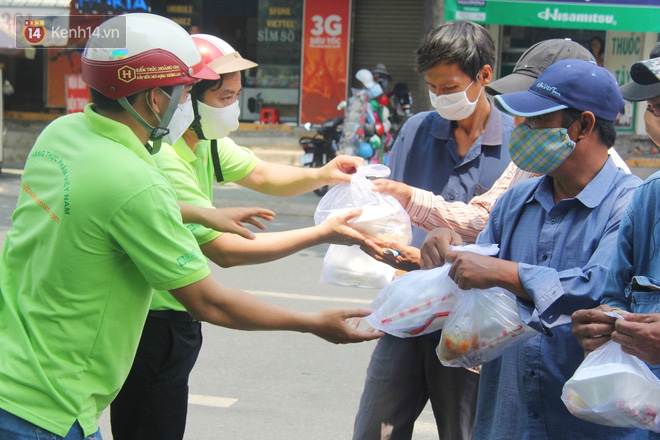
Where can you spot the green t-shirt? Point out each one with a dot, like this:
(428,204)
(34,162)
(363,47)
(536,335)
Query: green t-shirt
(191,174)
(95,230)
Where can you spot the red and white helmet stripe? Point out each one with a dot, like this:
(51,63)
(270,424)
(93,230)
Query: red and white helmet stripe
(219,56)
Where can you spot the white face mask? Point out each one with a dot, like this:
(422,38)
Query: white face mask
(217,122)
(181,120)
(454,106)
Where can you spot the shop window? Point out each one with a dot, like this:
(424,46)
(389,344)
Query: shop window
(516,40)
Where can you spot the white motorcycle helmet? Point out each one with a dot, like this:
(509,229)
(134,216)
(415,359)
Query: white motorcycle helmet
(153,51)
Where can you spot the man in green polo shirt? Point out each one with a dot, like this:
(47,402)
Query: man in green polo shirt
(154,398)
(96,228)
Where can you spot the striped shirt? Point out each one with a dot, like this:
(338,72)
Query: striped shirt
(428,211)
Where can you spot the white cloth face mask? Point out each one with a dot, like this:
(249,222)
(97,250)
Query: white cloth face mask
(218,122)
(181,119)
(454,106)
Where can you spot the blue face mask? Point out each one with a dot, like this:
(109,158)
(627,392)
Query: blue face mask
(539,151)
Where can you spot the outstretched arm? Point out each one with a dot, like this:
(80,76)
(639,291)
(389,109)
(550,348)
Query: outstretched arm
(429,211)
(207,300)
(226,219)
(288,181)
(230,250)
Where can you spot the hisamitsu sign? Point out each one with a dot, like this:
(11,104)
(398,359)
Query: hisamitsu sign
(615,15)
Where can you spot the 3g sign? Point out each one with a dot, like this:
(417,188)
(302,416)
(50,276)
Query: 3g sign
(331,25)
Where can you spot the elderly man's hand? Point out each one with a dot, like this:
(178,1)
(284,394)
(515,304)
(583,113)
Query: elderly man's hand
(398,256)
(592,327)
(470,270)
(437,243)
(639,335)
(398,190)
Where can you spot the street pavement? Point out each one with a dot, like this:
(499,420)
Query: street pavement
(274,385)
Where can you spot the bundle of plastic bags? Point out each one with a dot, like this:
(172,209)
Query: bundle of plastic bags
(382,218)
(483,325)
(614,388)
(349,266)
(419,302)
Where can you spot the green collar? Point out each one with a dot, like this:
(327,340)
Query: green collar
(183,150)
(117,132)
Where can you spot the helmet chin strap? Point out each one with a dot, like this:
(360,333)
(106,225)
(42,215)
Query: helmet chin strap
(196,125)
(156,133)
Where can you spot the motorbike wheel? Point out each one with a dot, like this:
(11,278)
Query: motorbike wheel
(318,162)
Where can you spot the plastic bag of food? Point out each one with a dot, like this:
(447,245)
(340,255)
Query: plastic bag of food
(482,326)
(419,302)
(349,266)
(383,218)
(614,388)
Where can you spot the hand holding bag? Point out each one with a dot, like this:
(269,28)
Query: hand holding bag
(419,302)
(483,325)
(382,218)
(614,388)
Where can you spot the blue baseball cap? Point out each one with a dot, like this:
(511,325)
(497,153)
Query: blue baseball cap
(569,83)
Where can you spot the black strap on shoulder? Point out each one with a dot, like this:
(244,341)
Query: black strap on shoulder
(216,160)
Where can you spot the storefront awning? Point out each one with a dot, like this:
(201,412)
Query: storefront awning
(604,15)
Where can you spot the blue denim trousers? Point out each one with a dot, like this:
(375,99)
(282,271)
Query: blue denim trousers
(15,428)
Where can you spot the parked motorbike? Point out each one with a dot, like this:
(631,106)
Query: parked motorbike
(322,147)
(400,102)
(374,115)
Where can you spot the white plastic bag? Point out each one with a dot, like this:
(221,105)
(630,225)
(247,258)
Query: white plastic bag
(482,326)
(614,388)
(349,266)
(418,302)
(382,218)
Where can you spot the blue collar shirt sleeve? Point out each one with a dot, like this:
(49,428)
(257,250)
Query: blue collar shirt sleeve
(563,252)
(633,282)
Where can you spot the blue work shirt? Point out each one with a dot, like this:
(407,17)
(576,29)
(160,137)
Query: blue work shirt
(564,251)
(425,156)
(633,282)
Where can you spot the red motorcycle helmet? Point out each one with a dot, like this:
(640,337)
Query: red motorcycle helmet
(219,56)
(379,128)
(158,53)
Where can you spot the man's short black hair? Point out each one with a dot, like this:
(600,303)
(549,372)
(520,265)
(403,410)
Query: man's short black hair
(462,42)
(606,129)
(205,85)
